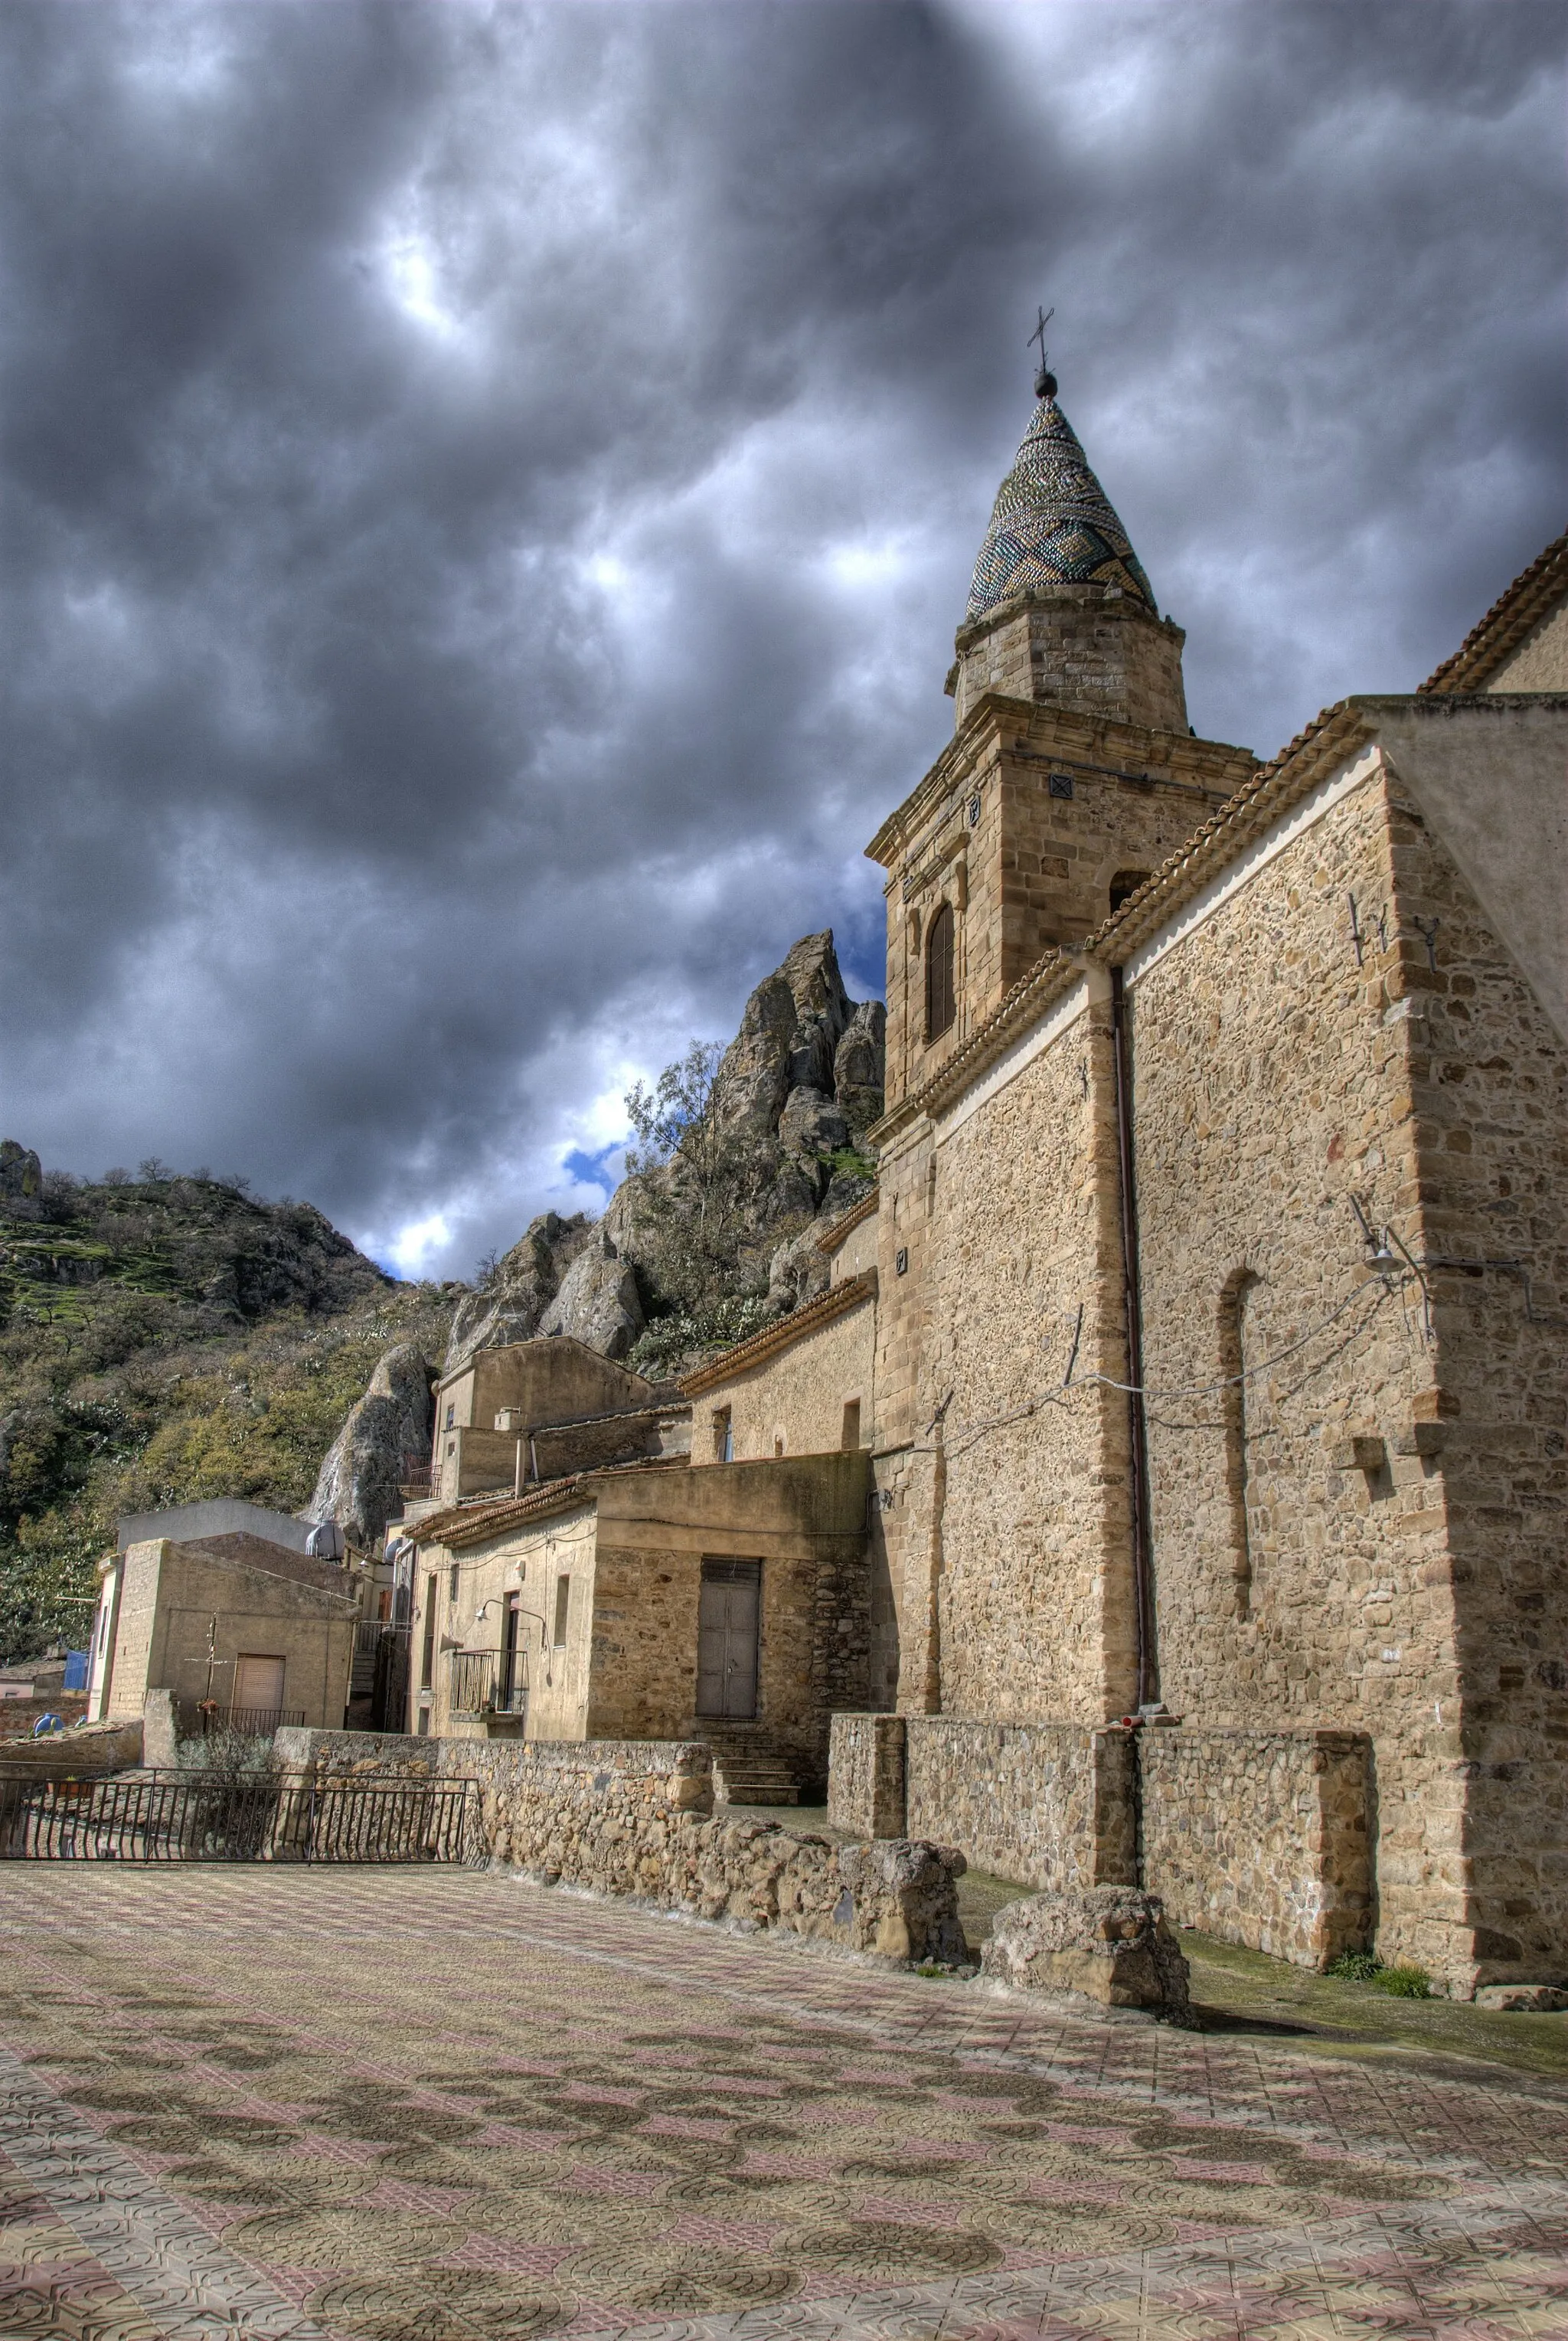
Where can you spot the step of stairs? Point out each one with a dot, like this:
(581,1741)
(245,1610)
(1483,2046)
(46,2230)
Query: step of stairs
(749,1770)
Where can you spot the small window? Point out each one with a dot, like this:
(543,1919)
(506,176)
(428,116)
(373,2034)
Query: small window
(723,1436)
(851,1433)
(778,1445)
(452,1583)
(562,1605)
(1125,885)
(450,1415)
(939,1001)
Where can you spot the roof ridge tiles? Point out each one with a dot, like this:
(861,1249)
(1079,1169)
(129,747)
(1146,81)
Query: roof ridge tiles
(1511,617)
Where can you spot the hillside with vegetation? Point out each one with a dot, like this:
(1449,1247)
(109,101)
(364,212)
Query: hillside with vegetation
(165,1339)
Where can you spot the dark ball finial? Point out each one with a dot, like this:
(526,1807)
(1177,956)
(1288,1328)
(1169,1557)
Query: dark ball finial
(1045,384)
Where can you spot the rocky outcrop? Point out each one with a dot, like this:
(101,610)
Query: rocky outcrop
(858,1065)
(597,1303)
(798,1270)
(511,1304)
(799,1083)
(387,1433)
(790,1033)
(1110,1943)
(21,1181)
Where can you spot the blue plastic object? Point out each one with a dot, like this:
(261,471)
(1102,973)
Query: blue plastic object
(76,1670)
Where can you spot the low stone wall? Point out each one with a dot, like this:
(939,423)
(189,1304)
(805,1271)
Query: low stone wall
(866,1787)
(1262,1837)
(86,1755)
(636,1817)
(1048,1804)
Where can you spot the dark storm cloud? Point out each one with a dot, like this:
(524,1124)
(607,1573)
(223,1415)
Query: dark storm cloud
(487,495)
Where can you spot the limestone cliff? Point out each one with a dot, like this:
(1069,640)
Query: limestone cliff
(797,1088)
(387,1434)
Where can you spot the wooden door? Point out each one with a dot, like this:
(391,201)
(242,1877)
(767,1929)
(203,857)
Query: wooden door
(259,1684)
(728,1629)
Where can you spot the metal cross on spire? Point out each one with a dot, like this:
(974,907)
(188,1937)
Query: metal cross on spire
(1044,380)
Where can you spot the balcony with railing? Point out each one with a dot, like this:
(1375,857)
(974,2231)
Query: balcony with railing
(481,1684)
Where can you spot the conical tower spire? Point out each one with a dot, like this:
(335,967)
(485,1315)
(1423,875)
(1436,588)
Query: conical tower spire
(1052,523)
(1060,612)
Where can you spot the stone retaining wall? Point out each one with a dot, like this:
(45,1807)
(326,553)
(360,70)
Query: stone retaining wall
(1262,1837)
(1051,1804)
(636,1817)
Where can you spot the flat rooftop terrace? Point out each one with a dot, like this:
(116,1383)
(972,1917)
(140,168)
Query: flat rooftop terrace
(409,2105)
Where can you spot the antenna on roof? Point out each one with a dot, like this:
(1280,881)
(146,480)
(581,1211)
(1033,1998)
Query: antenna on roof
(1044,380)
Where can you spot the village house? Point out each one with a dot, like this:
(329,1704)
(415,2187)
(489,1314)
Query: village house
(226,1609)
(1171,1481)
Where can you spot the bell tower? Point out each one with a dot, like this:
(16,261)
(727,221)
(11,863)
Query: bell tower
(1073,773)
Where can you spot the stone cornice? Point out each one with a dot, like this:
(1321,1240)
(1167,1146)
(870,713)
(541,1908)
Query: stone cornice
(1258,802)
(1533,593)
(953,762)
(836,1301)
(1075,737)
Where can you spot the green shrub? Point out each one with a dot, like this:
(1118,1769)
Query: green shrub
(1404,1983)
(1355,1966)
(1365,1967)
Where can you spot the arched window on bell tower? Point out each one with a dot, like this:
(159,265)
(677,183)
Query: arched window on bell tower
(941,1006)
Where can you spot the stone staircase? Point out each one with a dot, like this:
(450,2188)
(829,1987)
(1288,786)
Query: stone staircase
(747,1768)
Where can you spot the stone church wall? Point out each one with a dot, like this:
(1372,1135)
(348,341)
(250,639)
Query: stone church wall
(1033,1614)
(1299,1563)
(1491,1107)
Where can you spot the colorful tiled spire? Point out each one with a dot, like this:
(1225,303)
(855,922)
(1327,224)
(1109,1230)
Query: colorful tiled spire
(1052,523)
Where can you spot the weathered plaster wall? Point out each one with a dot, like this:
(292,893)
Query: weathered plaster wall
(793,1402)
(634,1558)
(173,1594)
(1262,1837)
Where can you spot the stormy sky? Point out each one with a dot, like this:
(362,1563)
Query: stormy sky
(488,492)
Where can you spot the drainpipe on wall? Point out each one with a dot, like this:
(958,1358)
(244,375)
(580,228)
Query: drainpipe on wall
(1137,1426)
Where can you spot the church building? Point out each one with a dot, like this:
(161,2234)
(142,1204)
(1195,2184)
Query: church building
(1220,1379)
(1171,1484)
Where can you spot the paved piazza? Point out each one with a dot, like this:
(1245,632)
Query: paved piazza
(404,2105)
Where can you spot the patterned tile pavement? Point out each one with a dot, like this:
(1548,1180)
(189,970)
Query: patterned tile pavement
(437,2105)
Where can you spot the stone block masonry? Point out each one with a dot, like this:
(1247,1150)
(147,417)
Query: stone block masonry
(1051,1804)
(1262,1837)
(636,1817)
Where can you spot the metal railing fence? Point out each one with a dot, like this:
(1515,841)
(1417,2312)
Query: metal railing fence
(168,1816)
